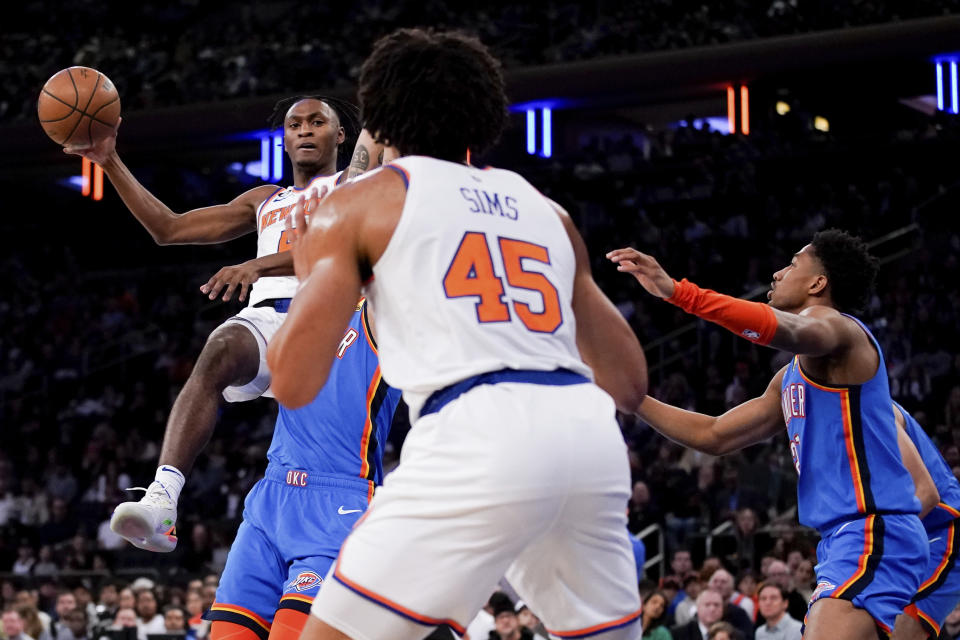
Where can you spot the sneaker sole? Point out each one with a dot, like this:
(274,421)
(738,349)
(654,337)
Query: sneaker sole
(130,526)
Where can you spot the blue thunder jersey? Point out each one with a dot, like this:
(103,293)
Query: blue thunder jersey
(948,508)
(844,445)
(343,430)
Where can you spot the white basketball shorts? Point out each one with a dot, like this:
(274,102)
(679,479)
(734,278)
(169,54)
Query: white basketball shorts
(262,322)
(524,480)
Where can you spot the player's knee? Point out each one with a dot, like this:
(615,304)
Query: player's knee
(222,630)
(230,356)
(287,624)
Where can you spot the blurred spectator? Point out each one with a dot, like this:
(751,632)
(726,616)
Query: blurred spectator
(687,608)
(506,625)
(13,626)
(738,615)
(148,620)
(778,574)
(127,623)
(709,611)
(45,565)
(25,560)
(778,624)
(73,625)
(32,624)
(723,631)
(530,620)
(654,617)
(804,579)
(65,603)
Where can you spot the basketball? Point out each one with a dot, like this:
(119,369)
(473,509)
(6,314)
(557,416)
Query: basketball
(77,106)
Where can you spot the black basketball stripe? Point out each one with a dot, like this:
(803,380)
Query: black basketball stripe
(237,618)
(80,111)
(73,110)
(860,449)
(945,570)
(76,91)
(375,405)
(96,85)
(296,605)
(873,559)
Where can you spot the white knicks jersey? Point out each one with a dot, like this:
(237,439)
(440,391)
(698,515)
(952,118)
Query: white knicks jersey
(477,277)
(272,235)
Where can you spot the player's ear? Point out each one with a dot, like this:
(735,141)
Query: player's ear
(341,136)
(818,285)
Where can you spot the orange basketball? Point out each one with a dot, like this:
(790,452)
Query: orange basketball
(77,106)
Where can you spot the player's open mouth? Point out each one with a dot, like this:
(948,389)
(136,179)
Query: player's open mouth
(307,145)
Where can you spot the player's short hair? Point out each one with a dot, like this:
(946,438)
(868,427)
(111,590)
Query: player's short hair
(850,269)
(347,112)
(433,93)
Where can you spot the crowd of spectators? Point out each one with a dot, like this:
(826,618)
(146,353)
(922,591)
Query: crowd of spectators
(173,53)
(94,347)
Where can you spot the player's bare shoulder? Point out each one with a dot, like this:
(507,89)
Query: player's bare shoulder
(257,196)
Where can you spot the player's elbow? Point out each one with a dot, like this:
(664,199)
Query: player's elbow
(631,395)
(929,497)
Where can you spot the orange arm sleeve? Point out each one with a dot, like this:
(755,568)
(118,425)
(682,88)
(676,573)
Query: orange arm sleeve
(751,320)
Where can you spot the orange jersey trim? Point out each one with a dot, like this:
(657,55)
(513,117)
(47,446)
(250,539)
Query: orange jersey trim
(944,561)
(368,425)
(232,608)
(295,596)
(949,509)
(370,492)
(851,451)
(862,563)
(393,606)
(597,628)
(816,384)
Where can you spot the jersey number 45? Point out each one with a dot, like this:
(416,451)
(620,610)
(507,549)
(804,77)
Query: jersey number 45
(471,273)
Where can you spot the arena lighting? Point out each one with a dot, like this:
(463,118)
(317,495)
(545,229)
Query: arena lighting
(90,186)
(939,66)
(744,110)
(265,159)
(531,131)
(821,124)
(732,109)
(547,114)
(783,108)
(277,157)
(953,87)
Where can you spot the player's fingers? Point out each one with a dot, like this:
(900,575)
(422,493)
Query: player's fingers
(214,286)
(231,287)
(621,254)
(244,288)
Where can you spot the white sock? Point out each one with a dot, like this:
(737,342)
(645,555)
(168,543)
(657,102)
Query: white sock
(170,479)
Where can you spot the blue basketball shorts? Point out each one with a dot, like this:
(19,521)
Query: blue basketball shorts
(293,525)
(939,591)
(876,562)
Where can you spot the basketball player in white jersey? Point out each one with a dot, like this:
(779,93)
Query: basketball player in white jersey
(232,364)
(489,321)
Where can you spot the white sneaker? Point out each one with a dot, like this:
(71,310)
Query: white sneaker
(149,523)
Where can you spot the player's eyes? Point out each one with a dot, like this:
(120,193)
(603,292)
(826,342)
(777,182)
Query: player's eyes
(293,125)
(318,123)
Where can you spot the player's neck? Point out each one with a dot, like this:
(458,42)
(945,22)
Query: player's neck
(303,175)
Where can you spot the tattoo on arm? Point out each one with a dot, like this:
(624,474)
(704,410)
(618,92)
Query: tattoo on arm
(360,161)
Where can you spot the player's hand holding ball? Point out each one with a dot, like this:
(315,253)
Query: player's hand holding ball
(79,108)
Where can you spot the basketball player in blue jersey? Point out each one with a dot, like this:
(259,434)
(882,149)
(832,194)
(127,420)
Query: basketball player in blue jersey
(939,590)
(857,471)
(232,364)
(324,461)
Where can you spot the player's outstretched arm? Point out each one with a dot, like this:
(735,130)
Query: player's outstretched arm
(926,490)
(816,331)
(605,340)
(749,423)
(208,225)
